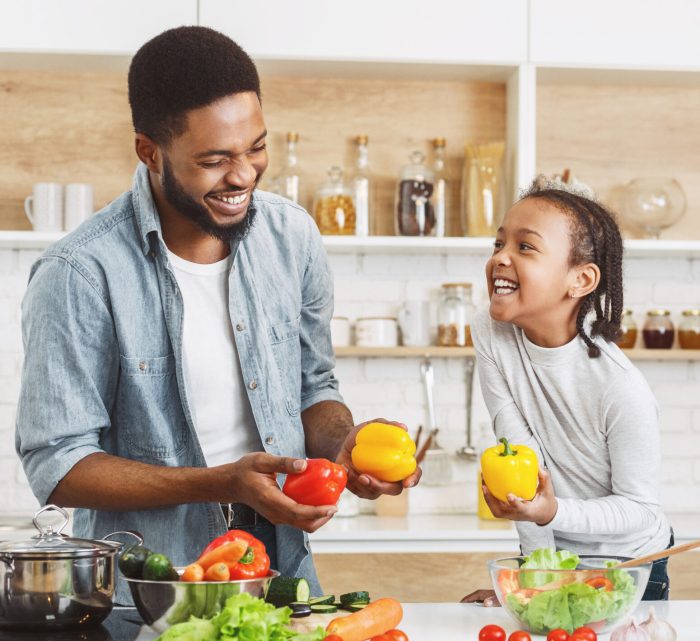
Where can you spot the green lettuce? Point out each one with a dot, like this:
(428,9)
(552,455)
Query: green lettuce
(545,559)
(192,630)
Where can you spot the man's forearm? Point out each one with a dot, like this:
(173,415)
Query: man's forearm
(105,482)
(326,425)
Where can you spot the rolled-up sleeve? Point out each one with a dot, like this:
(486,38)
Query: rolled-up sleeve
(318,382)
(69,373)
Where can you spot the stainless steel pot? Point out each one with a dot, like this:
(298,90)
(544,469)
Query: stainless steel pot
(53,582)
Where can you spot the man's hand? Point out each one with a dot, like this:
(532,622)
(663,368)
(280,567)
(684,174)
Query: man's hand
(541,509)
(252,480)
(364,485)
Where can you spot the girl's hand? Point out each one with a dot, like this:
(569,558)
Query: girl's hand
(541,509)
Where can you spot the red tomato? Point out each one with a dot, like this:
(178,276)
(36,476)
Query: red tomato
(492,633)
(396,635)
(520,635)
(584,634)
(332,637)
(558,635)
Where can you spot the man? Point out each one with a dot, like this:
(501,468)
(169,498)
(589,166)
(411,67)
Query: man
(177,345)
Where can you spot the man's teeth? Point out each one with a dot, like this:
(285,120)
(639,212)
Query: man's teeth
(232,200)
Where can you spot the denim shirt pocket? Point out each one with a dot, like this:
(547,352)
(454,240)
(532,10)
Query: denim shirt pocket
(284,339)
(149,407)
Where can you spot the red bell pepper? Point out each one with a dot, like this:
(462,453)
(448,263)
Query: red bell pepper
(319,484)
(254,564)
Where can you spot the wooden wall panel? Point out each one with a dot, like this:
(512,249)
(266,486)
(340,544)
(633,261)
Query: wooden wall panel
(75,127)
(609,134)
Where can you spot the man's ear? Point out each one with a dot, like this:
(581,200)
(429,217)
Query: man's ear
(148,152)
(586,279)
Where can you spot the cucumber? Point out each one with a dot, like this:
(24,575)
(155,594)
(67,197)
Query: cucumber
(158,567)
(300,610)
(326,599)
(284,590)
(132,559)
(323,609)
(355,607)
(354,597)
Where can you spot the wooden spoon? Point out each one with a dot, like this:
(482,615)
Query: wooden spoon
(648,558)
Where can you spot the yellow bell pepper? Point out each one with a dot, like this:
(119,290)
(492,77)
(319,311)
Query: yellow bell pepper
(384,452)
(510,470)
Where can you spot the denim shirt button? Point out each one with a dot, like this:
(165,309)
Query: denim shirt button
(252,385)
(269,440)
(240,327)
(143,366)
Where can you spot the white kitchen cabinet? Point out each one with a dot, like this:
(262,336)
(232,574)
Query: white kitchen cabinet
(389,30)
(622,33)
(86,26)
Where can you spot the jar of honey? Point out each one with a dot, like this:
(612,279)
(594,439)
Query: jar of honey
(689,329)
(658,331)
(628,338)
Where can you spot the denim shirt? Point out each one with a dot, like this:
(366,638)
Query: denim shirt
(102,323)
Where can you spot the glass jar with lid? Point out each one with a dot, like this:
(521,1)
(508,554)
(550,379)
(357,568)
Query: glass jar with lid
(334,205)
(658,331)
(455,314)
(628,337)
(415,211)
(689,329)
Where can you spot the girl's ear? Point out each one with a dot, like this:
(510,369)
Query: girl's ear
(586,279)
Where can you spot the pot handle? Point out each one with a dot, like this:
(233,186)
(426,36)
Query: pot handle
(137,535)
(49,530)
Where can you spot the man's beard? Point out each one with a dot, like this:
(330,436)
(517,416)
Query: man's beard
(199,214)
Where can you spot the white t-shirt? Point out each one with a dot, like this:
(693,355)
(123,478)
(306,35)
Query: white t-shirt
(594,424)
(214,383)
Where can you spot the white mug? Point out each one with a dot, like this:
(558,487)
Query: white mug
(414,321)
(78,204)
(376,332)
(340,331)
(44,207)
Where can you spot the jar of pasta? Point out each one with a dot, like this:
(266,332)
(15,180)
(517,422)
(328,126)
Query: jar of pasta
(334,205)
(455,315)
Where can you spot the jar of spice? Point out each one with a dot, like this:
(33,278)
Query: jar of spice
(658,331)
(689,329)
(415,211)
(334,205)
(628,338)
(455,314)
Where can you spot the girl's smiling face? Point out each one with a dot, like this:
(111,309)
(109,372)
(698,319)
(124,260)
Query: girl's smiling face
(530,281)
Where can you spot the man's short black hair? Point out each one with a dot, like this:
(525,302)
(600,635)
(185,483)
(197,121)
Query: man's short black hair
(183,69)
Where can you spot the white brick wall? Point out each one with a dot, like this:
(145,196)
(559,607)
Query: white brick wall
(391,388)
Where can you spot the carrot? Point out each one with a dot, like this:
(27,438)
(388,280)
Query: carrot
(193,572)
(217,572)
(377,618)
(229,553)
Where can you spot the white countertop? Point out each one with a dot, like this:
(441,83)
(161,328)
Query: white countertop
(462,622)
(441,533)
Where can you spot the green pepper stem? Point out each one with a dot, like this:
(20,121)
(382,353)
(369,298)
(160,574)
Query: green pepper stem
(507,450)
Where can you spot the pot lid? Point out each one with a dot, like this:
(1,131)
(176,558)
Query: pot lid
(50,542)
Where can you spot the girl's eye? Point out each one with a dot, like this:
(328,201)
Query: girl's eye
(497,244)
(524,246)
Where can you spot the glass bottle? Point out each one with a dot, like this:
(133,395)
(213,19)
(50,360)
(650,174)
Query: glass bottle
(455,314)
(689,329)
(334,207)
(362,188)
(483,188)
(628,338)
(415,213)
(289,177)
(441,192)
(658,331)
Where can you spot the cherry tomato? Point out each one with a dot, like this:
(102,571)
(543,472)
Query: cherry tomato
(396,635)
(381,637)
(520,635)
(492,633)
(558,635)
(584,634)
(333,637)
(599,583)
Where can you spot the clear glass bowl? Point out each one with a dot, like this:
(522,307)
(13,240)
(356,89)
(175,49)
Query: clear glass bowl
(595,594)
(653,204)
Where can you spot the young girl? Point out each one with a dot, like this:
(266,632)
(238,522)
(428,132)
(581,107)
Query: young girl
(554,380)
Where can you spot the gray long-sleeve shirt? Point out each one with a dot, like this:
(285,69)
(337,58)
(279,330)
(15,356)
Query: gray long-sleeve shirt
(594,424)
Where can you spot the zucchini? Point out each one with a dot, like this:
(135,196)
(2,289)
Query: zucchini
(326,599)
(284,590)
(323,609)
(300,610)
(132,559)
(355,607)
(354,597)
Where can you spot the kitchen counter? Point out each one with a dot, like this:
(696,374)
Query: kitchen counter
(457,622)
(440,533)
